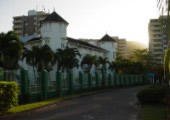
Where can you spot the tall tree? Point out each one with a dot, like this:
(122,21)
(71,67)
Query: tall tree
(45,58)
(103,62)
(10,50)
(88,61)
(67,58)
(140,55)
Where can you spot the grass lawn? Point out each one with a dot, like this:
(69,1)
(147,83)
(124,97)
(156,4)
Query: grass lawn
(30,106)
(33,105)
(153,112)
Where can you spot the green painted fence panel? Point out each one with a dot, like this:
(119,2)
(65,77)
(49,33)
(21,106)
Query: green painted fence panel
(59,84)
(71,89)
(81,80)
(1,75)
(44,84)
(89,81)
(103,80)
(24,82)
(109,78)
(97,79)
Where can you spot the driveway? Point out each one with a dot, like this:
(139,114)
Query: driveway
(120,104)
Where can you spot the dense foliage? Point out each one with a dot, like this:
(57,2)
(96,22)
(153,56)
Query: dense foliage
(8,95)
(67,58)
(10,50)
(151,94)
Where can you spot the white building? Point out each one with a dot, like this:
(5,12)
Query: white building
(54,33)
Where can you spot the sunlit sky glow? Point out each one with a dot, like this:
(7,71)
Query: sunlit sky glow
(90,18)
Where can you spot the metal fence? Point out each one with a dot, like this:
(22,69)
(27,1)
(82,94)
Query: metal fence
(45,85)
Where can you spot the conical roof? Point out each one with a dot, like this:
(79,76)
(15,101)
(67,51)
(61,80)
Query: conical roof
(107,38)
(54,17)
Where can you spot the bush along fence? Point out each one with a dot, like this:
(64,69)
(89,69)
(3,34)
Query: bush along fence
(8,95)
(61,84)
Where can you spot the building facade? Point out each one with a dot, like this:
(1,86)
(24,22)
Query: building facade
(157,40)
(121,47)
(30,24)
(53,32)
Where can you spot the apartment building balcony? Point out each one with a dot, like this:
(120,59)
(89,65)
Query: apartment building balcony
(17,21)
(18,32)
(17,26)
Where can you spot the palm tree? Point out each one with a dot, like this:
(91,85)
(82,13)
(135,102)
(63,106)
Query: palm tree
(88,61)
(67,58)
(30,57)
(103,62)
(45,58)
(140,55)
(10,50)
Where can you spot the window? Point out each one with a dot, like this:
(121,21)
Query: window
(158,50)
(157,45)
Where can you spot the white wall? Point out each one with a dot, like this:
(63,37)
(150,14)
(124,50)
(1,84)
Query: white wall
(111,47)
(54,34)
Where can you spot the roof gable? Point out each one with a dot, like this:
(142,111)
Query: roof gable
(86,44)
(54,17)
(107,38)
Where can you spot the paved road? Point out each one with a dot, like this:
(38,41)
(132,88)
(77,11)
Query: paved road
(112,105)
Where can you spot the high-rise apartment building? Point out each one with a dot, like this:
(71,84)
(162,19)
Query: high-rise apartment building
(122,46)
(158,41)
(164,10)
(28,25)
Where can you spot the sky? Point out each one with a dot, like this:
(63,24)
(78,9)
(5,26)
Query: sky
(90,19)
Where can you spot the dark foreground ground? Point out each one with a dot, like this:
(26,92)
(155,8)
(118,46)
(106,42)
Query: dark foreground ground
(118,104)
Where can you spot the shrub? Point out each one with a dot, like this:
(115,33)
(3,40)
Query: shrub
(151,94)
(8,95)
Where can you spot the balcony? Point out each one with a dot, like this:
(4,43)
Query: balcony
(18,31)
(17,26)
(17,21)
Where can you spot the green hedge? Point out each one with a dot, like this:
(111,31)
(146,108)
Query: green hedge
(151,94)
(8,95)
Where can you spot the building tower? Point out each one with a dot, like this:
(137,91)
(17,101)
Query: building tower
(54,31)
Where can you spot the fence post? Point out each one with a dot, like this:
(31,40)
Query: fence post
(127,79)
(44,84)
(89,80)
(81,80)
(103,79)
(130,79)
(24,82)
(122,80)
(109,77)
(1,75)
(59,84)
(70,83)
(115,80)
(97,79)
(140,79)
